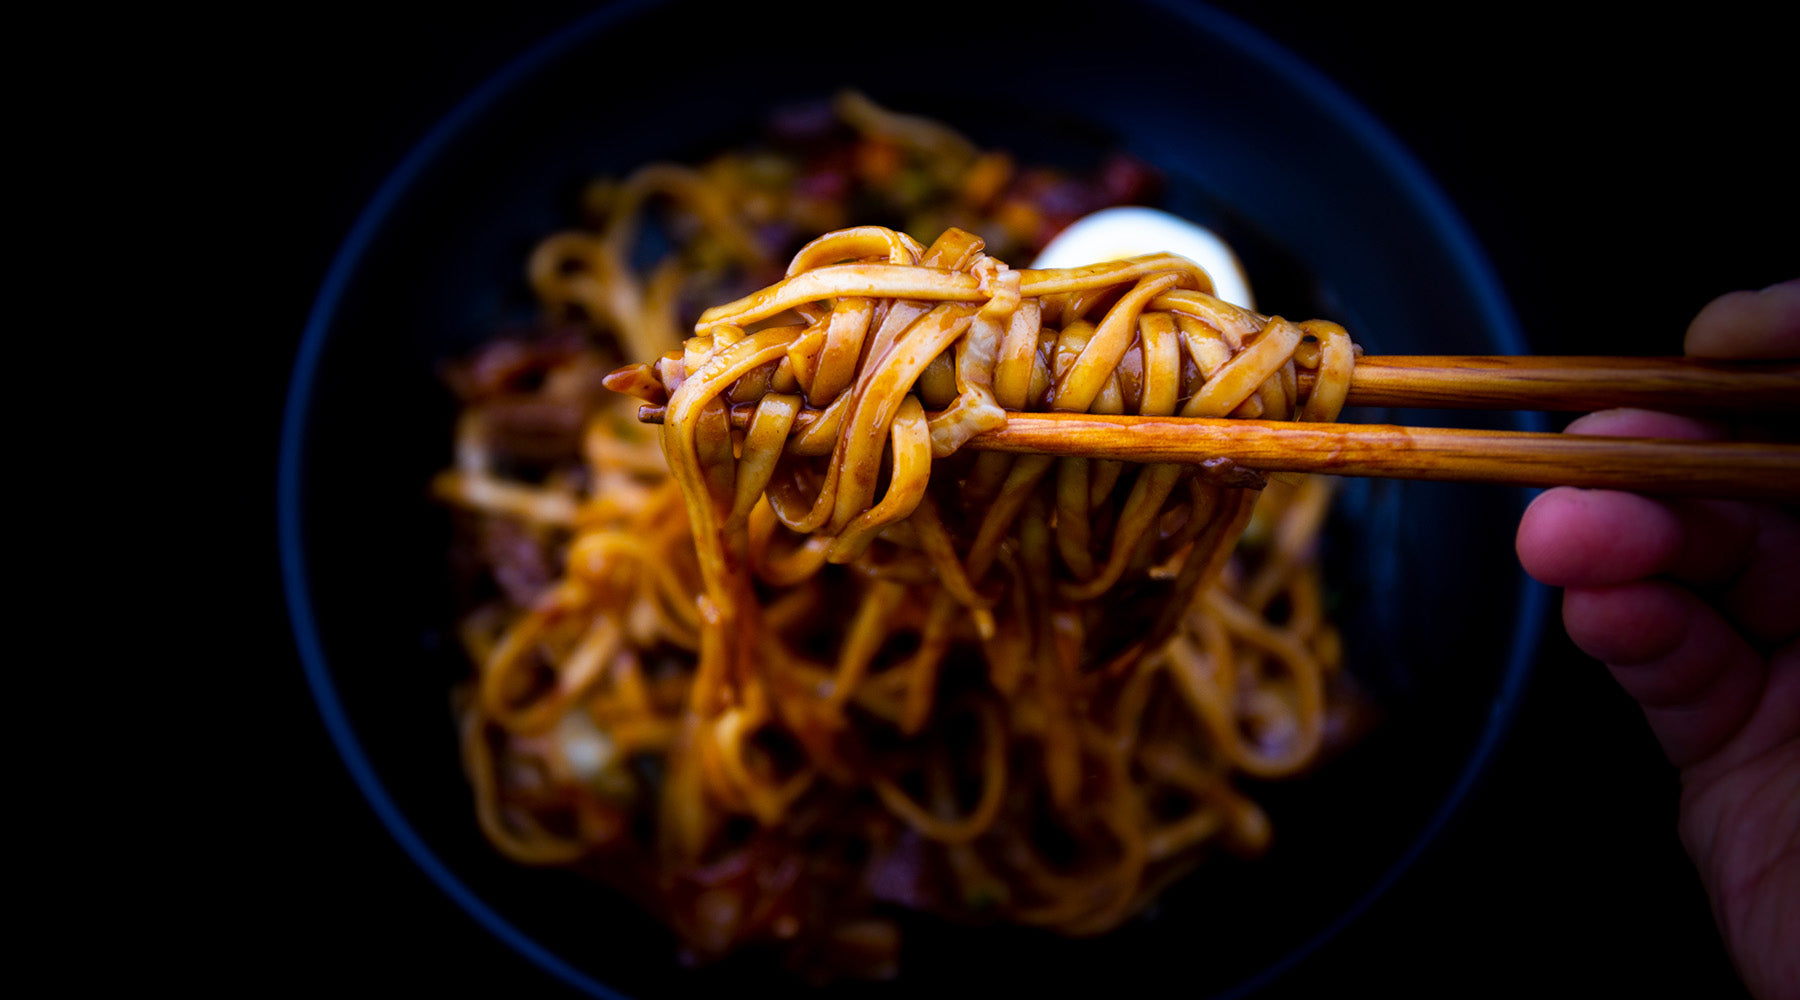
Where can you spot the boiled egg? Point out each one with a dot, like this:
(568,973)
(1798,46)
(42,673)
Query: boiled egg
(1131,231)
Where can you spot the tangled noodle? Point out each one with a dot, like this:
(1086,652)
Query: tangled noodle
(827,661)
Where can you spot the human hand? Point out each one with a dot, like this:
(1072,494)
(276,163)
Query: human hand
(1694,605)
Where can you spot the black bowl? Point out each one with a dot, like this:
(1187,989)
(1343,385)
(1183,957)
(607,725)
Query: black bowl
(1333,219)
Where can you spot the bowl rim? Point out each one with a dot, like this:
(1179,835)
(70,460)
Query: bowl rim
(1375,139)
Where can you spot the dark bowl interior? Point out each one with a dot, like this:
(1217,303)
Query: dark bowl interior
(1333,220)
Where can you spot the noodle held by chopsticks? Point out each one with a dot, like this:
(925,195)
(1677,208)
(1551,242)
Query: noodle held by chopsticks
(822,666)
(1062,591)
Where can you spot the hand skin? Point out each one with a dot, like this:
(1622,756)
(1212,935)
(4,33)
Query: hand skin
(1695,608)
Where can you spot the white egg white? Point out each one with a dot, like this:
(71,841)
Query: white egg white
(1117,233)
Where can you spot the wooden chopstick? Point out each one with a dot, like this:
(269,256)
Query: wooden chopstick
(1572,384)
(1741,470)
(1734,469)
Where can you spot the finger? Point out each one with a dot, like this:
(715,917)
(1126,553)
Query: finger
(1764,324)
(1571,537)
(1697,678)
(1627,422)
(1741,554)
(1588,538)
(1583,538)
(1710,539)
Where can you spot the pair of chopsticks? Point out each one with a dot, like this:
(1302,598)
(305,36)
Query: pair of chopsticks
(1735,469)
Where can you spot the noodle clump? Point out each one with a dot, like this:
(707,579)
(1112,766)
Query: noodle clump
(827,664)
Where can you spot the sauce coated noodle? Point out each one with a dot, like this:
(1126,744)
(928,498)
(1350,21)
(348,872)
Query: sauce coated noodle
(823,662)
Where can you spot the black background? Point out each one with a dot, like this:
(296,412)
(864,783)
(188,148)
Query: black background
(1620,174)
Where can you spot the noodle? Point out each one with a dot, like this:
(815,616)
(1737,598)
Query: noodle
(826,663)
